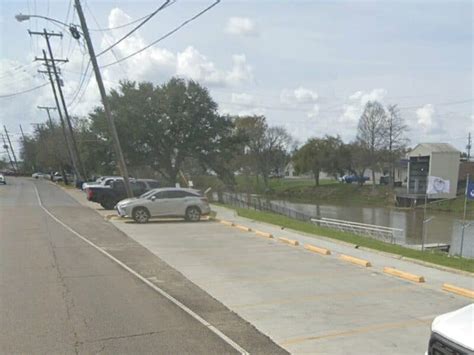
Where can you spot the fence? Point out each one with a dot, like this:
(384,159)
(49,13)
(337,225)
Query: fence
(386,234)
(257,203)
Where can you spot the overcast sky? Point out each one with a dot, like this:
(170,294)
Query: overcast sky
(307,65)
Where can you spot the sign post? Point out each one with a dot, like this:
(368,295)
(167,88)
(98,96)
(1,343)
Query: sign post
(469,194)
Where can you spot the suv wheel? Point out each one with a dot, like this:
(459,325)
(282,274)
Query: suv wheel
(193,214)
(141,215)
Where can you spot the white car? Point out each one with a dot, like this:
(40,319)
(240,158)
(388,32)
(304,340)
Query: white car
(37,175)
(165,202)
(2,179)
(453,333)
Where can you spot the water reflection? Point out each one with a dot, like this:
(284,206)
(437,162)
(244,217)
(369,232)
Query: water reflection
(443,228)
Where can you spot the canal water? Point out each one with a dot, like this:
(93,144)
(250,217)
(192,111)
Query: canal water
(442,228)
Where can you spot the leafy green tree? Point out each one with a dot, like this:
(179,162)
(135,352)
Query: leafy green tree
(321,154)
(264,149)
(163,126)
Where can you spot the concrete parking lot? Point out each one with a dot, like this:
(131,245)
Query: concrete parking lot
(305,302)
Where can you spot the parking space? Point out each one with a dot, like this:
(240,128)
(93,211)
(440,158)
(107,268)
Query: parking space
(306,302)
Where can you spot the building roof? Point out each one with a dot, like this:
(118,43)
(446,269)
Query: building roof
(433,147)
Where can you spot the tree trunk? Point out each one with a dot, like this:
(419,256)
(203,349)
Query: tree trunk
(373,178)
(316,177)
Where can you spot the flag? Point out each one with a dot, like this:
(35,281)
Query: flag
(437,185)
(470,190)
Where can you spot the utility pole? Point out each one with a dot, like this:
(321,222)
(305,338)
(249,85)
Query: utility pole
(468,147)
(5,146)
(105,102)
(22,134)
(11,147)
(61,119)
(47,109)
(78,166)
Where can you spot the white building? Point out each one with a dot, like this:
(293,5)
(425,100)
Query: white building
(433,159)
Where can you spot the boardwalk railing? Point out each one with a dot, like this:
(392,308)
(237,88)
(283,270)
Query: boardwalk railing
(386,234)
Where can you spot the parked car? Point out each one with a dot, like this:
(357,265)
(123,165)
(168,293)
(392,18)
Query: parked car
(57,176)
(189,204)
(102,181)
(2,179)
(349,179)
(109,193)
(452,333)
(37,175)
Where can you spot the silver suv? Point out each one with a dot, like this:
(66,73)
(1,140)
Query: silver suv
(165,202)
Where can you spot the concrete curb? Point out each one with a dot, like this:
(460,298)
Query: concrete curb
(289,241)
(458,290)
(263,234)
(353,260)
(315,249)
(403,275)
(227,223)
(375,251)
(242,228)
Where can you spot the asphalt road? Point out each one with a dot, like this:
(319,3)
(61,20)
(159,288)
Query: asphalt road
(59,294)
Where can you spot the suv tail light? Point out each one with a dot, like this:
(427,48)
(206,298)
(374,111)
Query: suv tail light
(204,199)
(89,193)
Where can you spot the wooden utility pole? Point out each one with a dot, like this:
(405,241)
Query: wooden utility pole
(47,109)
(78,166)
(11,147)
(5,146)
(22,134)
(61,119)
(113,131)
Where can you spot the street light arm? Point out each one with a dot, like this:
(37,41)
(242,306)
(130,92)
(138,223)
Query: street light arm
(22,17)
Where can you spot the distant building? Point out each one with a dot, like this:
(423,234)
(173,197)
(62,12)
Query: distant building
(433,159)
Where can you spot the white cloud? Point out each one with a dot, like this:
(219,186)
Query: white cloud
(241,26)
(353,110)
(243,99)
(158,64)
(425,116)
(314,111)
(298,95)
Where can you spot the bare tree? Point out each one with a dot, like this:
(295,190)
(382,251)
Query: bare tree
(372,134)
(396,140)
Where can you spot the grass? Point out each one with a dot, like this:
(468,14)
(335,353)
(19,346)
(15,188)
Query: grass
(433,257)
(304,190)
(69,186)
(455,205)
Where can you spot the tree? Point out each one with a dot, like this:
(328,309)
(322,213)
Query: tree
(264,149)
(396,140)
(371,134)
(163,126)
(359,159)
(321,154)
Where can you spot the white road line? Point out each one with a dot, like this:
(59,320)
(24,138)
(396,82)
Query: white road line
(147,282)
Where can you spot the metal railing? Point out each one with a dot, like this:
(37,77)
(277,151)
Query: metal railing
(386,234)
(257,203)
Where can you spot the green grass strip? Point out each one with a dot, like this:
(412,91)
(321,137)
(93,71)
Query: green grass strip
(434,257)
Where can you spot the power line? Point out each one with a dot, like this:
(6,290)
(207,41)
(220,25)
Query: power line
(163,6)
(166,35)
(105,37)
(124,25)
(23,92)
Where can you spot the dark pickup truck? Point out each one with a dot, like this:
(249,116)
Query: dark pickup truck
(109,195)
